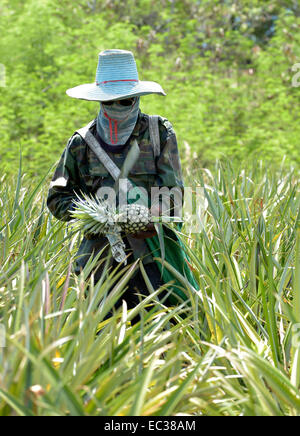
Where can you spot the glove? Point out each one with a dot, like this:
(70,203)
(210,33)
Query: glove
(143,234)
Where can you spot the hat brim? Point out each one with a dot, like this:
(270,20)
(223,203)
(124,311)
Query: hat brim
(107,92)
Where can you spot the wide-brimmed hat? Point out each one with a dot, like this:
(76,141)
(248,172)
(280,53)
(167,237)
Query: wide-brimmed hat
(116,78)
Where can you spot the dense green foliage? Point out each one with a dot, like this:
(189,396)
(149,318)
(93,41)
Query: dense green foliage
(226,67)
(237,351)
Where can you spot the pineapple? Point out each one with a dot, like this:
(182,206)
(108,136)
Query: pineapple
(96,216)
(133,218)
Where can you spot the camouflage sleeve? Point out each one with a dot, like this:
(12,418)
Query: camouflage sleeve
(64,184)
(168,165)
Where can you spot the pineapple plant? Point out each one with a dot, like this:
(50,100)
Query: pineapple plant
(95,216)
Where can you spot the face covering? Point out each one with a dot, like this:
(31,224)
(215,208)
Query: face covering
(115,123)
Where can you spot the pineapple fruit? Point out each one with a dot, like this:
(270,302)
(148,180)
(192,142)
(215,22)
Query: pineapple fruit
(133,218)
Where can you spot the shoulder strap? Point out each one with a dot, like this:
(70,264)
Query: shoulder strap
(94,145)
(154,134)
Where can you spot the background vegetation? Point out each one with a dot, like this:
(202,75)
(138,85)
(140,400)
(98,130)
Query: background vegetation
(225,65)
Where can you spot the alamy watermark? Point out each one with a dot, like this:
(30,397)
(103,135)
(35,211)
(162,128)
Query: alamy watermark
(2,76)
(2,336)
(296,335)
(187,204)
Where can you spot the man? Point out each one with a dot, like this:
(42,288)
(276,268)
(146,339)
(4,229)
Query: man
(119,122)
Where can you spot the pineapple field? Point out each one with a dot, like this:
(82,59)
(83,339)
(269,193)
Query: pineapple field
(230,345)
(234,351)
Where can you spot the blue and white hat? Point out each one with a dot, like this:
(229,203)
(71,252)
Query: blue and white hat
(116,79)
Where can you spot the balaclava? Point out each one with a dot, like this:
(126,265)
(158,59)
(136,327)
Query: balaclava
(115,122)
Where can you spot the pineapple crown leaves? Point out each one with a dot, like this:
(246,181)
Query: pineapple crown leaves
(92,215)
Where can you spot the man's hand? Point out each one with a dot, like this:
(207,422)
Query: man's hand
(143,234)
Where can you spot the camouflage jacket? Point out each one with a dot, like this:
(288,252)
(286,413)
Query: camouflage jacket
(80,170)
